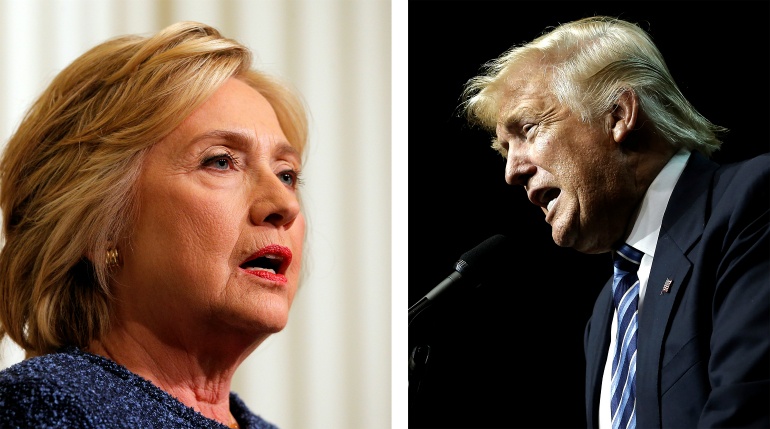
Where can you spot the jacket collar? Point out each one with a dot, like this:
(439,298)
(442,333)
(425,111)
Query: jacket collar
(687,211)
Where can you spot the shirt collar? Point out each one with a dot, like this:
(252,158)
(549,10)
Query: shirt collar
(644,234)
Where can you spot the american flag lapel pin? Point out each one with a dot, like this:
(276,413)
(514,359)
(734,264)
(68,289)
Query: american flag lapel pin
(666,286)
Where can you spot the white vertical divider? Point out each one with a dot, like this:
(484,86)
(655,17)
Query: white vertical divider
(330,368)
(400,191)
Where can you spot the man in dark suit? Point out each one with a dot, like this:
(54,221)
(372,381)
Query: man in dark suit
(593,126)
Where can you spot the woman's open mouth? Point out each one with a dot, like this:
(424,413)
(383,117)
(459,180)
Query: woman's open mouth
(269,262)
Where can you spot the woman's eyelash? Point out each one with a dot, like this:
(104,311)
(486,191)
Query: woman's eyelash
(295,176)
(233,160)
(298,177)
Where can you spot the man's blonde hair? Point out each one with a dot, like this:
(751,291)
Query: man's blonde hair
(592,62)
(68,175)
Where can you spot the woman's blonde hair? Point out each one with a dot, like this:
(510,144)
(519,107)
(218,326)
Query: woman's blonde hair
(68,174)
(592,62)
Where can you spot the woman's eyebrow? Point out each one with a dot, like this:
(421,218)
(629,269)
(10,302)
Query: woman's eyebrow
(285,149)
(243,140)
(237,138)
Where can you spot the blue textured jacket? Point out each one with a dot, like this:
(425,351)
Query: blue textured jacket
(75,389)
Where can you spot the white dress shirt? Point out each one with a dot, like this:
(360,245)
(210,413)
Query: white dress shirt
(643,237)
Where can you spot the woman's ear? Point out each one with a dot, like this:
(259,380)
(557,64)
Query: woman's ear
(624,115)
(111,257)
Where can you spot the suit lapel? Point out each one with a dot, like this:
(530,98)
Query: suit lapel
(682,227)
(653,321)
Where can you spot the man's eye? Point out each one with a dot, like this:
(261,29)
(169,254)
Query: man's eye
(528,127)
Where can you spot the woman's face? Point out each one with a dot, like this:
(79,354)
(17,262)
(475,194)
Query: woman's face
(218,239)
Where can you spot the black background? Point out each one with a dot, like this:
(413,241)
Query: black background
(510,353)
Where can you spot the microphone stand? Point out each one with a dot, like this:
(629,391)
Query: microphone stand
(418,363)
(418,356)
(479,256)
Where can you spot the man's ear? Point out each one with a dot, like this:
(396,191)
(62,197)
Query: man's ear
(624,115)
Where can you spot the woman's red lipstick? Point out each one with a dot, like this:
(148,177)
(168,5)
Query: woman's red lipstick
(269,263)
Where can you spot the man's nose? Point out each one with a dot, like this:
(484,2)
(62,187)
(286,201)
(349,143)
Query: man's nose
(518,169)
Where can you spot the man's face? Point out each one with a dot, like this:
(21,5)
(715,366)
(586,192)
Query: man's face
(575,171)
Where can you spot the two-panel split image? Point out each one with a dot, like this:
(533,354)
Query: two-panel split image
(384,214)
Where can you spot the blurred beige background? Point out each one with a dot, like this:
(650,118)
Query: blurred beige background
(331,367)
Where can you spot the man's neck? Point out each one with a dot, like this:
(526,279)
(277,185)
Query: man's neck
(633,231)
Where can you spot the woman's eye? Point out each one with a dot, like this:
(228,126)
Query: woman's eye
(220,162)
(289,178)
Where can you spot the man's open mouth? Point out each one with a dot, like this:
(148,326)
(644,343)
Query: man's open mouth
(550,198)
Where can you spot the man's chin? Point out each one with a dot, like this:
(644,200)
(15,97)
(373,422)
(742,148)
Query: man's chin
(592,245)
(569,237)
(564,237)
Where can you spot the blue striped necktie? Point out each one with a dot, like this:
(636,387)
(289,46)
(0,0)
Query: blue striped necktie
(625,292)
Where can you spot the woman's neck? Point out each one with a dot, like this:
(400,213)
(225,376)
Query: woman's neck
(193,372)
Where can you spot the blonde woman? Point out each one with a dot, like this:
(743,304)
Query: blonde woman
(153,234)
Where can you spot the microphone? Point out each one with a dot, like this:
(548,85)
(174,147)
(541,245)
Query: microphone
(470,264)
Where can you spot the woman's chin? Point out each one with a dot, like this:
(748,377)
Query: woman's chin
(273,323)
(267,314)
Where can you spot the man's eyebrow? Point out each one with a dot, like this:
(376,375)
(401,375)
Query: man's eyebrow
(498,145)
(244,140)
(508,119)
(515,116)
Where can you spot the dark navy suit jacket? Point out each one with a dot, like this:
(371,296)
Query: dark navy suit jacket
(702,358)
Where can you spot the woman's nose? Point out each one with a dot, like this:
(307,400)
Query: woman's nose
(275,203)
